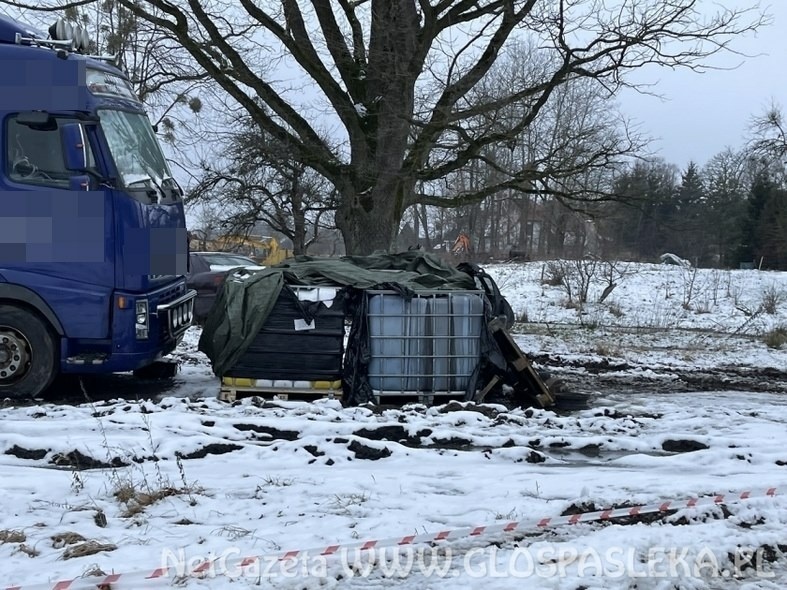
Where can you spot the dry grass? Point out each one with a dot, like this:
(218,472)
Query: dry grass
(233,532)
(343,504)
(776,338)
(553,274)
(771,299)
(28,550)
(137,500)
(62,539)
(87,548)
(606,349)
(9,536)
(95,571)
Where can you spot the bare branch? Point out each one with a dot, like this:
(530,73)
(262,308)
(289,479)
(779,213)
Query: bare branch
(39,8)
(350,71)
(296,39)
(306,141)
(359,46)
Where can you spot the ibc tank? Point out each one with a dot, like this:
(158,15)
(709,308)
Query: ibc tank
(467,314)
(284,351)
(399,347)
(440,332)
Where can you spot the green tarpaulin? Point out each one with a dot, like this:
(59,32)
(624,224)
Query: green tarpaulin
(243,305)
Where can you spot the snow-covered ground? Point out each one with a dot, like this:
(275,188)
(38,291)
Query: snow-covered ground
(185,476)
(664,327)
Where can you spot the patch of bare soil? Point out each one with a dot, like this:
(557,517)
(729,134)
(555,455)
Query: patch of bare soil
(588,377)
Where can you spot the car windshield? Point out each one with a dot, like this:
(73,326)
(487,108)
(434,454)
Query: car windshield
(227,260)
(134,148)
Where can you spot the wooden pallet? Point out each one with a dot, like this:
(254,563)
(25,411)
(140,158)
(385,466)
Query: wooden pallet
(235,388)
(232,394)
(529,383)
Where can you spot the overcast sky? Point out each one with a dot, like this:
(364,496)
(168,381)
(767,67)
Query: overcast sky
(702,113)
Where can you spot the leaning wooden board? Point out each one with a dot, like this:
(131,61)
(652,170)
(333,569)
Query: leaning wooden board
(529,382)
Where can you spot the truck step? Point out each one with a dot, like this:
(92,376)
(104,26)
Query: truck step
(87,359)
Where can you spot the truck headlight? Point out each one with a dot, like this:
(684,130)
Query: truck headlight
(142,319)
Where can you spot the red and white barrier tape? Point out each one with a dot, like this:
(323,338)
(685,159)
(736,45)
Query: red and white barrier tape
(134,579)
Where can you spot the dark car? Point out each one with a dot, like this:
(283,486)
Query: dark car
(207,273)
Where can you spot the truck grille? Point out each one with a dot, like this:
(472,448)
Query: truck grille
(175,316)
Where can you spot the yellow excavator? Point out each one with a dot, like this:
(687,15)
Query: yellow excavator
(265,250)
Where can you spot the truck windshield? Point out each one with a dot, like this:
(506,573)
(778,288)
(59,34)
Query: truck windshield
(135,150)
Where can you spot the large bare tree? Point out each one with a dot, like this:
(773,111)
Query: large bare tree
(394,76)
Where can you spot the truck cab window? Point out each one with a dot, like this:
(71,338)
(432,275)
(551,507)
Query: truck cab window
(35,155)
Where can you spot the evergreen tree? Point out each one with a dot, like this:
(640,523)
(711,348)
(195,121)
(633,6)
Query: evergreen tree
(638,223)
(752,246)
(688,233)
(727,206)
(772,230)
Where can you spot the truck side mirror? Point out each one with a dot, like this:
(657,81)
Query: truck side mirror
(74,146)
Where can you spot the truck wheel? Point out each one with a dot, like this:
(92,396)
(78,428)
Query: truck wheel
(27,353)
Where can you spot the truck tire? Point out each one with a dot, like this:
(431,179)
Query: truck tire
(27,353)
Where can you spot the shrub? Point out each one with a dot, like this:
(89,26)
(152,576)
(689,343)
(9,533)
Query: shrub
(553,274)
(606,349)
(771,298)
(776,338)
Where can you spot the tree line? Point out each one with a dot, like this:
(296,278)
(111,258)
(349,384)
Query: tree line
(729,212)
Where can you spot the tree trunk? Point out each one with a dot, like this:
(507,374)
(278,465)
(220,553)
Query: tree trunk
(299,231)
(298,217)
(524,242)
(377,190)
(369,222)
(416,225)
(421,211)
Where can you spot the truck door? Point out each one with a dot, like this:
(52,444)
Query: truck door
(56,238)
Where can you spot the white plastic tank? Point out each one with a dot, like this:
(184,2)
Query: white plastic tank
(399,345)
(439,311)
(467,312)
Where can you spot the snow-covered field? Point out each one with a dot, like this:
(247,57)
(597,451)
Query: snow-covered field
(186,477)
(663,327)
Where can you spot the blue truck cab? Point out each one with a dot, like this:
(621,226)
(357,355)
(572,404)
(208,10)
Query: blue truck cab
(93,243)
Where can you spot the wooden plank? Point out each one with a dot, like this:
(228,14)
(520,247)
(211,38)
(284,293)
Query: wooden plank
(520,364)
(479,397)
(529,382)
